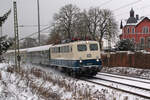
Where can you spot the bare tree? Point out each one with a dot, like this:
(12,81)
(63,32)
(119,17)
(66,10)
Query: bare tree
(43,39)
(93,18)
(55,36)
(108,28)
(66,19)
(3,19)
(81,27)
(29,42)
(95,23)
(101,24)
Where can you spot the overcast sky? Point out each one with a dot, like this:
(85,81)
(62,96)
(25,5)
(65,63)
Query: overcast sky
(27,11)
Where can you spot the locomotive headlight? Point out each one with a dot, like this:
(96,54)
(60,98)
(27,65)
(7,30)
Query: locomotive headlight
(97,59)
(80,60)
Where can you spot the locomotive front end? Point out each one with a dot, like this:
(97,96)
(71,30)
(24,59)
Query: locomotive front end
(89,58)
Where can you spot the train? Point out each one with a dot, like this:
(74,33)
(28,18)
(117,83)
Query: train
(75,58)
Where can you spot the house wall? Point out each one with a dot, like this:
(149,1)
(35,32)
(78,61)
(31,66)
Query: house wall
(138,32)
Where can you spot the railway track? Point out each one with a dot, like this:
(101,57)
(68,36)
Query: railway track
(137,79)
(107,80)
(134,86)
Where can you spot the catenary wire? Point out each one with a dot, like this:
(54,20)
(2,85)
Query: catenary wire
(124,6)
(36,32)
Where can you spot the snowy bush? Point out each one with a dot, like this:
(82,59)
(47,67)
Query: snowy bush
(124,45)
(4,45)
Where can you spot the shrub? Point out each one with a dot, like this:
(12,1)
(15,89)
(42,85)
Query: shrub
(124,45)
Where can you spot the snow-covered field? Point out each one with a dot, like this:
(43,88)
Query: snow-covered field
(12,87)
(42,83)
(134,72)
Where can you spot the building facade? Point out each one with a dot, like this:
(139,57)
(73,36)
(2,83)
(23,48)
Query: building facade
(137,30)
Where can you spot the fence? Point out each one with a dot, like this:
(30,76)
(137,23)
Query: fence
(127,59)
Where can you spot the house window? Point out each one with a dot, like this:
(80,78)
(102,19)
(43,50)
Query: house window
(142,43)
(128,30)
(148,42)
(145,29)
(123,31)
(133,30)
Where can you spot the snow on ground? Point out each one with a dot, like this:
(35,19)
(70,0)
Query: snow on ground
(134,72)
(43,83)
(11,88)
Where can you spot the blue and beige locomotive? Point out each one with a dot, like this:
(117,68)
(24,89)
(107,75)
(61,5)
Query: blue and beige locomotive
(74,58)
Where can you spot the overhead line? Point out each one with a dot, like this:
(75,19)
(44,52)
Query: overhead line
(108,1)
(141,8)
(30,25)
(36,32)
(124,6)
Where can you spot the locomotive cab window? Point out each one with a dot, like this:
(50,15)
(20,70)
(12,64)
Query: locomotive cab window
(81,47)
(93,47)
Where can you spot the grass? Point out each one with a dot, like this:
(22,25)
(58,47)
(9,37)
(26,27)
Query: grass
(43,84)
(78,91)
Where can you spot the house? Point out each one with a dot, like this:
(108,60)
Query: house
(137,30)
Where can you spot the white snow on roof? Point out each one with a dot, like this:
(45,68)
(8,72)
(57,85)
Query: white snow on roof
(39,48)
(10,51)
(21,50)
(77,42)
(138,21)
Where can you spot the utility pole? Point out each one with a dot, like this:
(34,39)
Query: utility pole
(17,53)
(109,48)
(1,31)
(38,10)
(1,26)
(109,43)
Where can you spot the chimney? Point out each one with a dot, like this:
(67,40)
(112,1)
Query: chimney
(137,17)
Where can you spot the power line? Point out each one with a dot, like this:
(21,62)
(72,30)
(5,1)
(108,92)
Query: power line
(124,6)
(137,9)
(31,25)
(141,8)
(36,32)
(108,1)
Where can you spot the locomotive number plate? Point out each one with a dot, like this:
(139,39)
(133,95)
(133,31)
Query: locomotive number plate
(89,55)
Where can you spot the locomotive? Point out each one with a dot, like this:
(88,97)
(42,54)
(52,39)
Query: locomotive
(75,58)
